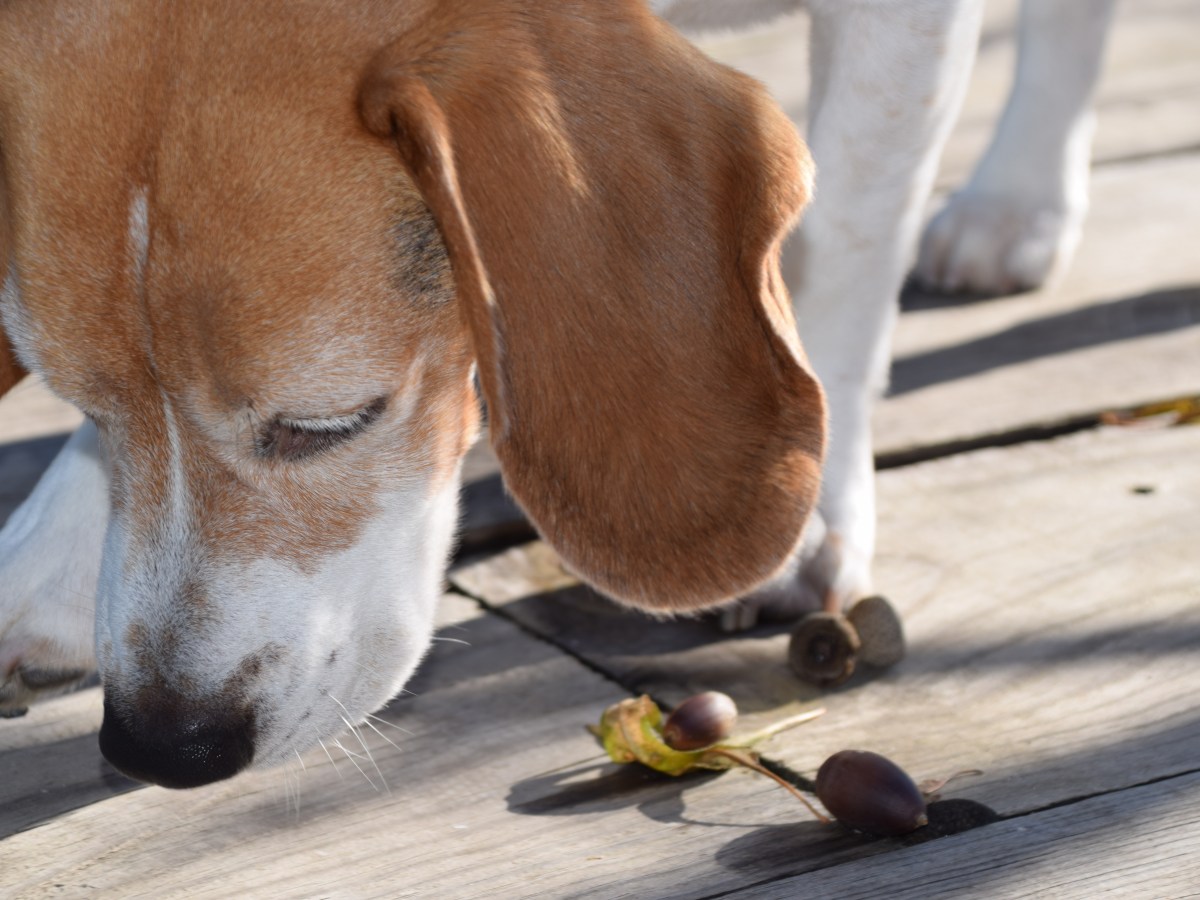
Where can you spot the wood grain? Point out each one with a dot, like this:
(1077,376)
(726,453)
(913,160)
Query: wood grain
(1146,102)
(30,411)
(1046,603)
(1053,616)
(495,790)
(1139,842)
(1121,329)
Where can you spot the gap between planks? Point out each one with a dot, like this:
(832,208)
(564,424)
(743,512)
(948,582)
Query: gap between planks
(1066,851)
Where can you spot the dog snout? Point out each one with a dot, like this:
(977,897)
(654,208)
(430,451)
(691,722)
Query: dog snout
(178,748)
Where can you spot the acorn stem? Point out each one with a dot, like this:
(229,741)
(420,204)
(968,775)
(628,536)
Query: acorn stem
(745,759)
(775,727)
(932,786)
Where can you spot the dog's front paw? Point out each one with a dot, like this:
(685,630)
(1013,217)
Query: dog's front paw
(26,684)
(827,572)
(46,648)
(50,553)
(994,243)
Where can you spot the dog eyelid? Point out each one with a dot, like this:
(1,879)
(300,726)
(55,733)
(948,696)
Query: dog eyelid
(355,421)
(293,438)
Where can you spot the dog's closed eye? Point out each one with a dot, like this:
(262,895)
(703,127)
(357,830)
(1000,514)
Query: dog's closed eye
(293,439)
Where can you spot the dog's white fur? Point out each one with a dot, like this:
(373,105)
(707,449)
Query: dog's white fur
(1018,221)
(50,552)
(888,78)
(892,75)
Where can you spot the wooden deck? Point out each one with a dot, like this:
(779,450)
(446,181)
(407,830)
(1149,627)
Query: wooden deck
(1046,566)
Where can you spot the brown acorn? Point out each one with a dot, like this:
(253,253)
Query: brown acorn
(824,648)
(700,721)
(870,793)
(879,631)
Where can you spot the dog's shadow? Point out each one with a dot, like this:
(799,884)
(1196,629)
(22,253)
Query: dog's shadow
(672,659)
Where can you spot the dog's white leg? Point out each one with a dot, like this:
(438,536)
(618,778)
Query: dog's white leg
(888,80)
(1018,220)
(50,551)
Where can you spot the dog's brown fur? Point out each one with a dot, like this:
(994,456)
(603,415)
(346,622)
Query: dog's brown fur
(612,204)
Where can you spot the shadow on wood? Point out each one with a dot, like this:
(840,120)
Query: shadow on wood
(21,465)
(1045,652)
(53,779)
(604,787)
(1101,323)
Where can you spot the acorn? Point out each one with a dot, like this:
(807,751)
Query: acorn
(870,793)
(824,648)
(700,721)
(880,631)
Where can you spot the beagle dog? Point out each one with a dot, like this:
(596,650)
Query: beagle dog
(268,247)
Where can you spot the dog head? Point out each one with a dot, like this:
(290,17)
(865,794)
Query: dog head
(265,248)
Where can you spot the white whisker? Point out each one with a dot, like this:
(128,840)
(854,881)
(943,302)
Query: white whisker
(350,756)
(291,789)
(369,724)
(383,721)
(447,640)
(367,750)
(351,753)
(331,759)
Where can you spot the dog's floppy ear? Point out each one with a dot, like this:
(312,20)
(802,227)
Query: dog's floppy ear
(613,204)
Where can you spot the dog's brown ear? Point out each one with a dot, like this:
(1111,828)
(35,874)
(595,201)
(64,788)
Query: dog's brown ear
(613,204)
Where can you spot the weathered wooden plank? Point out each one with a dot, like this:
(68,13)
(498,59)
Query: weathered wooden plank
(1040,686)
(53,779)
(496,790)
(50,762)
(1070,601)
(22,463)
(1053,616)
(1139,842)
(1147,99)
(30,411)
(490,517)
(1053,627)
(1122,329)
(161,842)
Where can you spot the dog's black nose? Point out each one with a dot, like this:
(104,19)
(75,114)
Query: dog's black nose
(178,750)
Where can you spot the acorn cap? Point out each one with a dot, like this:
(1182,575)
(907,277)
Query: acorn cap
(880,631)
(823,649)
